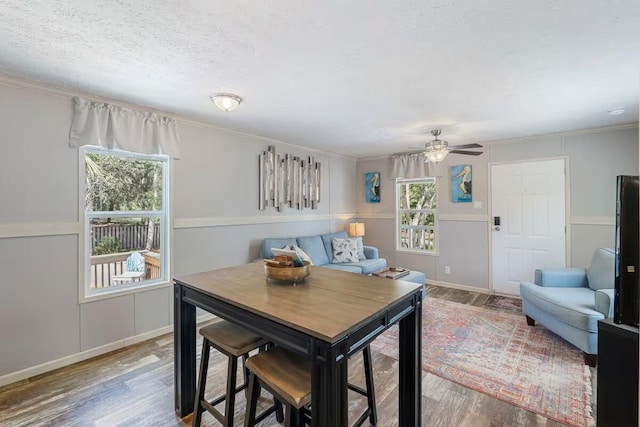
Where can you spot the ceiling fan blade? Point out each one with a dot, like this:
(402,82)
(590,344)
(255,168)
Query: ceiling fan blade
(417,148)
(471,153)
(455,147)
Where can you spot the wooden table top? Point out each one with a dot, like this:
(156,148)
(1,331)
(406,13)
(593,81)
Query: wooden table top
(327,305)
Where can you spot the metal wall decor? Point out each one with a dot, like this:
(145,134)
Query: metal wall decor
(288,181)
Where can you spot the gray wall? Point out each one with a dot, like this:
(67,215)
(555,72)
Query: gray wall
(594,158)
(217,222)
(215,216)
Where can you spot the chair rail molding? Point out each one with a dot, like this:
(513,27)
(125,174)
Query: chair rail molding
(593,220)
(179,223)
(35,229)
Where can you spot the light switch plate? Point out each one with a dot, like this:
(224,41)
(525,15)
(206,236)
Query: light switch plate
(477,205)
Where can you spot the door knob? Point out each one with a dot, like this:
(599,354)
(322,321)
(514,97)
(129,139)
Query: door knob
(496,228)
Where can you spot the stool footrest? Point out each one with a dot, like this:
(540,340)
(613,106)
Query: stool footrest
(357,389)
(213,411)
(363,418)
(222,398)
(367,412)
(266,413)
(210,407)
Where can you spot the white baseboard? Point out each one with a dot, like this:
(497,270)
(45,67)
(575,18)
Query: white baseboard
(88,354)
(457,286)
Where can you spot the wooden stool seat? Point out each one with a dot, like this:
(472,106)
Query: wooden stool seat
(288,376)
(285,373)
(232,339)
(234,342)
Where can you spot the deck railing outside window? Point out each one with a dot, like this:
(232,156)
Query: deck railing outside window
(105,267)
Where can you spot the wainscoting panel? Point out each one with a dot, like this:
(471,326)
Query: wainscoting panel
(39,308)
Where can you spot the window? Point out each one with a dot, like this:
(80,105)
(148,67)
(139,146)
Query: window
(125,239)
(417,215)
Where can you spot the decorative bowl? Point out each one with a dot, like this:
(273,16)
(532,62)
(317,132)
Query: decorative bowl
(287,274)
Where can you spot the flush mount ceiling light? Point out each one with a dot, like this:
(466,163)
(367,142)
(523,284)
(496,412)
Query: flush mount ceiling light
(616,111)
(226,101)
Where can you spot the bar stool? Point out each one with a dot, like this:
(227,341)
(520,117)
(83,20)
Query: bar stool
(288,376)
(233,341)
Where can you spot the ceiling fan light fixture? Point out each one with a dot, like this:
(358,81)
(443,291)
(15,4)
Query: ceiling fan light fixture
(436,150)
(226,101)
(436,154)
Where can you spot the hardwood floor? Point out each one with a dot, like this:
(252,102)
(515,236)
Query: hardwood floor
(134,387)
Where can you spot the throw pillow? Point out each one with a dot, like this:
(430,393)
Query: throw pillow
(344,250)
(360,247)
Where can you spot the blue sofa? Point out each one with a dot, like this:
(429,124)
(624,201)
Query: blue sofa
(570,301)
(320,251)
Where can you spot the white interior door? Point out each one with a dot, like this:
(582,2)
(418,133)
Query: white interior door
(529,199)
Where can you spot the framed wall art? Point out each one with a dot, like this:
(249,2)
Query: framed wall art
(461,184)
(372,187)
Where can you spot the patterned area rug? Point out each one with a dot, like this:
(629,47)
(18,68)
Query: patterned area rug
(504,303)
(497,354)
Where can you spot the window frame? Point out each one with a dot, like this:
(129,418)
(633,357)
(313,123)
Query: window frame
(399,211)
(86,294)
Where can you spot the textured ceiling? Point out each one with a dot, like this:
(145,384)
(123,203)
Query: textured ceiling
(361,78)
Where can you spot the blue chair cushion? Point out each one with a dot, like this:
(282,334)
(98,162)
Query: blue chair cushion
(267,244)
(416,277)
(574,306)
(370,252)
(314,247)
(344,267)
(604,302)
(601,274)
(561,277)
(367,266)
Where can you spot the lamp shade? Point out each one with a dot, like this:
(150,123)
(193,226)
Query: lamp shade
(356,229)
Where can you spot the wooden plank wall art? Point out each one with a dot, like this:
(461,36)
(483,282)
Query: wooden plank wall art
(288,181)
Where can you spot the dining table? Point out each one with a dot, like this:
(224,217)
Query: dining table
(328,317)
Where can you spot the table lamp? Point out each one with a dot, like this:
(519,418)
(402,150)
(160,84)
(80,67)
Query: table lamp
(356,229)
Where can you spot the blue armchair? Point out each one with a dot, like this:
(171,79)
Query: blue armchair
(570,301)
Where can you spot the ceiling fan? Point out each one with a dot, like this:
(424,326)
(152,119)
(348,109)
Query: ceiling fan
(435,151)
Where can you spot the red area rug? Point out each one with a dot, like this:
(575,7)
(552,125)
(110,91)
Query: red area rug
(497,354)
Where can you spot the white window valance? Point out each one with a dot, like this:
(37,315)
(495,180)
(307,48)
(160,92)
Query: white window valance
(411,166)
(117,128)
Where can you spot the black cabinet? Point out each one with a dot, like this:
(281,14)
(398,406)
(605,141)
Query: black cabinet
(617,374)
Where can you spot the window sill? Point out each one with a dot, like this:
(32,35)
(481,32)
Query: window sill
(114,293)
(416,252)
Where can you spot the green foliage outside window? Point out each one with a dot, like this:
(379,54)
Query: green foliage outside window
(107,245)
(117,183)
(122,183)
(417,214)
